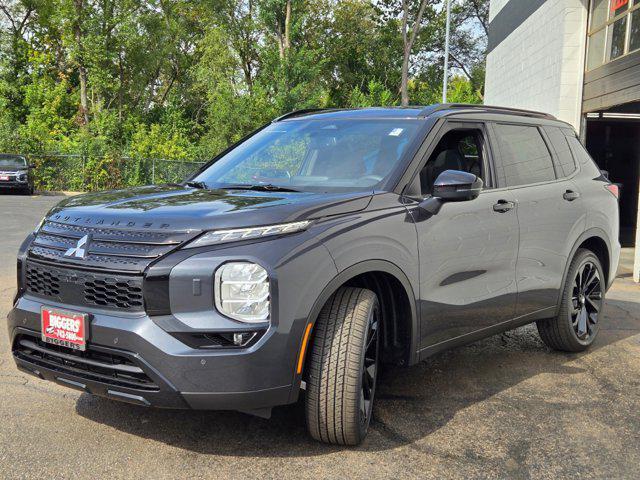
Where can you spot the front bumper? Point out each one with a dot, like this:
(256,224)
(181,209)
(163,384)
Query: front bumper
(167,373)
(13,184)
(178,300)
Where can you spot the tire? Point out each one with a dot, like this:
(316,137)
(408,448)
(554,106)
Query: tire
(578,321)
(347,337)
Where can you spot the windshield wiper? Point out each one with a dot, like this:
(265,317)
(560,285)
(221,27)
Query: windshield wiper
(265,187)
(198,185)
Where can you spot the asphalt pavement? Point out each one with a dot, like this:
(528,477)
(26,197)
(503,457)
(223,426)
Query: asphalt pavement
(504,407)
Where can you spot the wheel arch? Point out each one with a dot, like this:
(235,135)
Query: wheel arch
(384,278)
(596,240)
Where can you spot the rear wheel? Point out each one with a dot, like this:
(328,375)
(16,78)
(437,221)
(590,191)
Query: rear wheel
(578,321)
(343,367)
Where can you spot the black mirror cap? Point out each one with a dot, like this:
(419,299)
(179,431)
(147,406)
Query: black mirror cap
(455,185)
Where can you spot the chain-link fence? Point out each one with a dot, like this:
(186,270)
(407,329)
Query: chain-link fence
(91,172)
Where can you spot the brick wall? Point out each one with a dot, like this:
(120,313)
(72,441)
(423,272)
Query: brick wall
(539,66)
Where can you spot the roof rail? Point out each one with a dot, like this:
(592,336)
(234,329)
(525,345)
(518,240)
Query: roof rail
(431,109)
(297,113)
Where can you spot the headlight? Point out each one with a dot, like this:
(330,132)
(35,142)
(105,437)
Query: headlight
(21,176)
(242,292)
(223,236)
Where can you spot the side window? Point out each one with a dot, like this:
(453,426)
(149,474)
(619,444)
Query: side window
(524,154)
(583,157)
(460,149)
(565,165)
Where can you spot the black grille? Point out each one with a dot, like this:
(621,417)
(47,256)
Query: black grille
(113,249)
(111,292)
(81,288)
(96,363)
(43,282)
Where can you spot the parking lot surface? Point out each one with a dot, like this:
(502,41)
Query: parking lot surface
(504,407)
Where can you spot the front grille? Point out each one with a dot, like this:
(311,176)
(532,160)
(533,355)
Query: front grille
(96,363)
(43,282)
(82,288)
(110,292)
(115,249)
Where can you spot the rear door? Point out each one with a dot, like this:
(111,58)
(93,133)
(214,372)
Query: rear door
(535,164)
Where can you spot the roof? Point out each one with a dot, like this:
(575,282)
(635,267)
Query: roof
(439,109)
(369,112)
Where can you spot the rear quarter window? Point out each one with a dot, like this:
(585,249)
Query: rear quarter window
(565,164)
(582,156)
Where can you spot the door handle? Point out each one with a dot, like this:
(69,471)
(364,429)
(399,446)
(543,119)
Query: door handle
(503,206)
(570,195)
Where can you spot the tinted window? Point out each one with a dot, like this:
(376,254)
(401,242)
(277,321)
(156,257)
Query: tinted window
(525,156)
(616,38)
(583,157)
(459,149)
(634,35)
(565,165)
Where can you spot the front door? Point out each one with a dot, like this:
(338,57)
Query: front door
(468,250)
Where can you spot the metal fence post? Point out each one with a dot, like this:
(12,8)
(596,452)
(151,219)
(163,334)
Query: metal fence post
(84,175)
(153,171)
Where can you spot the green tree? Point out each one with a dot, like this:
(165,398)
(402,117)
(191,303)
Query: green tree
(183,79)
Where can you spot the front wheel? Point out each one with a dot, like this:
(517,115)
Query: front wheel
(578,321)
(343,367)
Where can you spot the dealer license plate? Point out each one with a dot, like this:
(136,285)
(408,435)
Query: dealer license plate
(64,328)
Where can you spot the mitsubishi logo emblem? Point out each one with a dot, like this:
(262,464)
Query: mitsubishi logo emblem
(81,249)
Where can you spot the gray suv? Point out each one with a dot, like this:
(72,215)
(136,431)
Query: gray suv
(323,245)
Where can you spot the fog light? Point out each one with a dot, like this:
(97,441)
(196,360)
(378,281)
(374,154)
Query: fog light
(242,292)
(241,339)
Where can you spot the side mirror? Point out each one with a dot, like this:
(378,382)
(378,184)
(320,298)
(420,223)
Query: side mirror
(455,185)
(31,165)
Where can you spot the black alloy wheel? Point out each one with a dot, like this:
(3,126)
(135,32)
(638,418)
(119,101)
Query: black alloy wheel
(586,300)
(370,367)
(579,315)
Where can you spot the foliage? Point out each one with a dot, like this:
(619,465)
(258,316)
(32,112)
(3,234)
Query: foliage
(183,79)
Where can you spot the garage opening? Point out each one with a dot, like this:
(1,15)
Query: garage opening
(613,140)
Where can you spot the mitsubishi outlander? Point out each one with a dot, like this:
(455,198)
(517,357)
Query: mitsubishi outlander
(320,247)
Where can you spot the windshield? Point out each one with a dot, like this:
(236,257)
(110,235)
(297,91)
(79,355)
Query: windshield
(12,162)
(314,155)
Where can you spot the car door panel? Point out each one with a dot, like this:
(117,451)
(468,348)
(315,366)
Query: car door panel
(467,253)
(547,220)
(548,223)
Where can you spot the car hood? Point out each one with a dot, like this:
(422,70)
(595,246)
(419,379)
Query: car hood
(183,208)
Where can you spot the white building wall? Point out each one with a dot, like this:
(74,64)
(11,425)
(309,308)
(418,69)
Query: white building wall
(540,65)
(495,6)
